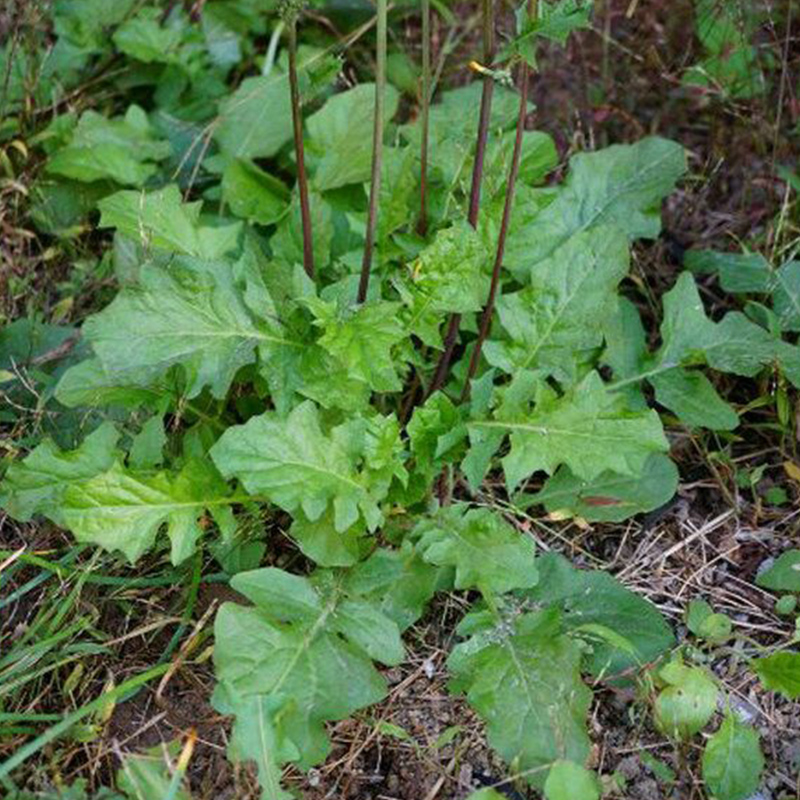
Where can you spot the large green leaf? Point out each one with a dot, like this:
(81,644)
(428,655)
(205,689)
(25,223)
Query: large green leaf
(610,497)
(733,761)
(523,678)
(344,126)
(37,484)
(194,314)
(300,467)
(486,552)
(783,575)
(589,429)
(161,219)
(622,185)
(123,150)
(124,510)
(589,598)
(557,322)
(299,657)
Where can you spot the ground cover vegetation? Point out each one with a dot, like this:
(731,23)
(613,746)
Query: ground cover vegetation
(336,341)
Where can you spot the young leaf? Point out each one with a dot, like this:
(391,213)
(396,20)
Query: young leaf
(298,466)
(594,597)
(161,219)
(527,686)
(487,553)
(780,672)
(323,544)
(610,497)
(302,655)
(783,575)
(362,339)
(733,761)
(570,781)
(253,194)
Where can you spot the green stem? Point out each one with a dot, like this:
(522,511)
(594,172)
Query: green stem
(377,152)
(297,124)
(422,225)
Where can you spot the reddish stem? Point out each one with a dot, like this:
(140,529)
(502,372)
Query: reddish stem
(302,180)
(486,317)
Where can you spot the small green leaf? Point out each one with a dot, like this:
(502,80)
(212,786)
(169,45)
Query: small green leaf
(688,702)
(570,781)
(253,194)
(783,575)
(780,672)
(733,761)
(487,553)
(148,445)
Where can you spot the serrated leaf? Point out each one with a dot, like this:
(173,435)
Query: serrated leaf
(122,149)
(362,340)
(557,321)
(305,652)
(124,510)
(193,314)
(609,497)
(146,39)
(161,219)
(780,672)
(733,761)
(37,484)
(556,20)
(298,466)
(594,597)
(528,689)
(344,125)
(621,186)
(588,429)
(452,273)
(784,574)
(437,434)
(487,553)
(570,781)
(399,581)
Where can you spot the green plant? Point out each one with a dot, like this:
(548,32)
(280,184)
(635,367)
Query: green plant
(260,353)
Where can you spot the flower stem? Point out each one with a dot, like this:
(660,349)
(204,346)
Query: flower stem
(451,337)
(297,123)
(488,310)
(377,152)
(422,225)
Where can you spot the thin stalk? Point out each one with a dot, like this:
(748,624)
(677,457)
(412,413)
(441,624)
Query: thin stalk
(486,317)
(451,337)
(422,225)
(377,152)
(297,123)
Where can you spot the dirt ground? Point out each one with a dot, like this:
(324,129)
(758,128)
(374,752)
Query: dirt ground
(615,83)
